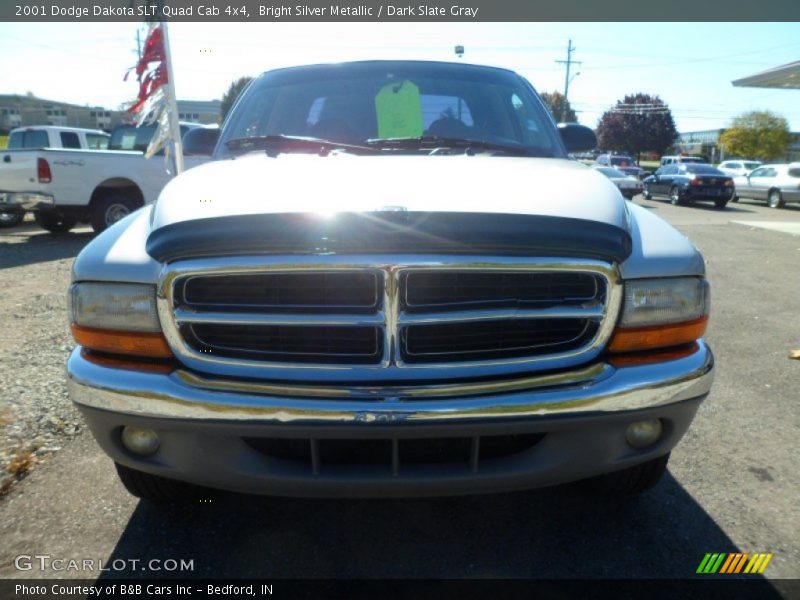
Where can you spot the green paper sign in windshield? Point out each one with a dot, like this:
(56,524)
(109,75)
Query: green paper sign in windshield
(399,110)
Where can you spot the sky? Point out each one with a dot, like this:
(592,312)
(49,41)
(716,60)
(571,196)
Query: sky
(689,65)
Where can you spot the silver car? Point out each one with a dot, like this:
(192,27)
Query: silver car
(777,184)
(737,168)
(628,185)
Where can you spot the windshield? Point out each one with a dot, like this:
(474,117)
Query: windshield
(701,169)
(752,165)
(130,137)
(359,103)
(622,161)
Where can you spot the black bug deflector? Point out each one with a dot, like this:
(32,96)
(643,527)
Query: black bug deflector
(391,233)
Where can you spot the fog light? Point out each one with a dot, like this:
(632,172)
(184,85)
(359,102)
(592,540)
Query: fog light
(643,433)
(143,442)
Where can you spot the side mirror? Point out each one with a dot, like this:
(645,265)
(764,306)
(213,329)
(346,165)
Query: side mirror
(577,138)
(200,141)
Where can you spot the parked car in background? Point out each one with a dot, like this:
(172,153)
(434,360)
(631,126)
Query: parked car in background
(47,136)
(737,168)
(690,182)
(678,159)
(777,184)
(628,185)
(621,162)
(65,186)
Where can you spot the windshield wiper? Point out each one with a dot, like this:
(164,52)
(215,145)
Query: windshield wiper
(279,143)
(435,142)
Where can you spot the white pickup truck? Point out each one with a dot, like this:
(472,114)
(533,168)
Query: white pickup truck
(63,186)
(50,136)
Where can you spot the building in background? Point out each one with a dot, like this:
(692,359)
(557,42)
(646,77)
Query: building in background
(206,112)
(20,110)
(706,143)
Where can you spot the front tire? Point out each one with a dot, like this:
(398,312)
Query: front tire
(633,480)
(674,196)
(774,199)
(160,489)
(646,193)
(110,209)
(55,222)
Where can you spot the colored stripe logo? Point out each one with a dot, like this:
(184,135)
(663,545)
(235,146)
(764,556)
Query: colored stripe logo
(734,562)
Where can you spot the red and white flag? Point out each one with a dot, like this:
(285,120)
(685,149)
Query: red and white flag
(155,102)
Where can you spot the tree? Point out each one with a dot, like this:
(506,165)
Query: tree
(232,94)
(638,123)
(757,134)
(555,103)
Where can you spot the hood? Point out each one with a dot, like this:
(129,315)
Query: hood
(301,183)
(345,204)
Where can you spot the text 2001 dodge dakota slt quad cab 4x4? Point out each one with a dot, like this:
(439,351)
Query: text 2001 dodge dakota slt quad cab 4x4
(391,281)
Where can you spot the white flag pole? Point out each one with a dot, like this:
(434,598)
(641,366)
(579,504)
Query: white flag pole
(172,104)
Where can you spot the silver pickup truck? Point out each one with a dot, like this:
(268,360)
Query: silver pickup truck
(391,281)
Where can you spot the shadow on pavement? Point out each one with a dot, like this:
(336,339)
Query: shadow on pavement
(554,533)
(729,208)
(26,246)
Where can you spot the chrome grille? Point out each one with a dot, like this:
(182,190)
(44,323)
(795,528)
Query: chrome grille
(326,318)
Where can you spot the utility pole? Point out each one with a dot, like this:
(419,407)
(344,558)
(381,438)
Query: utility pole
(569,62)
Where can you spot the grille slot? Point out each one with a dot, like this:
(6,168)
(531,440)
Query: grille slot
(288,343)
(283,292)
(490,339)
(396,456)
(464,290)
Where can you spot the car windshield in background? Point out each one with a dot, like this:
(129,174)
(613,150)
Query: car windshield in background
(751,165)
(369,102)
(612,173)
(701,169)
(622,161)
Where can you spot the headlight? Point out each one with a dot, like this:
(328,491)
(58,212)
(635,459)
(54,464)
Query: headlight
(659,313)
(119,318)
(124,306)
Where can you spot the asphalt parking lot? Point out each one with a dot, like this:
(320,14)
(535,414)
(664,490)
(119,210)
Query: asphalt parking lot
(733,482)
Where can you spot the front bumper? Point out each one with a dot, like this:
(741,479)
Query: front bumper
(26,201)
(206,427)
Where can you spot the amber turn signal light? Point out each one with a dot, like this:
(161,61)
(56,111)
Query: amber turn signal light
(136,343)
(636,339)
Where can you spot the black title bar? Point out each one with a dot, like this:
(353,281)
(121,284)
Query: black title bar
(398,10)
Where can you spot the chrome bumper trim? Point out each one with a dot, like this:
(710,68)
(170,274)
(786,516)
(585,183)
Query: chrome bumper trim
(599,389)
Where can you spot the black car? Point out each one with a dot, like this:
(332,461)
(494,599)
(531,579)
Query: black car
(690,182)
